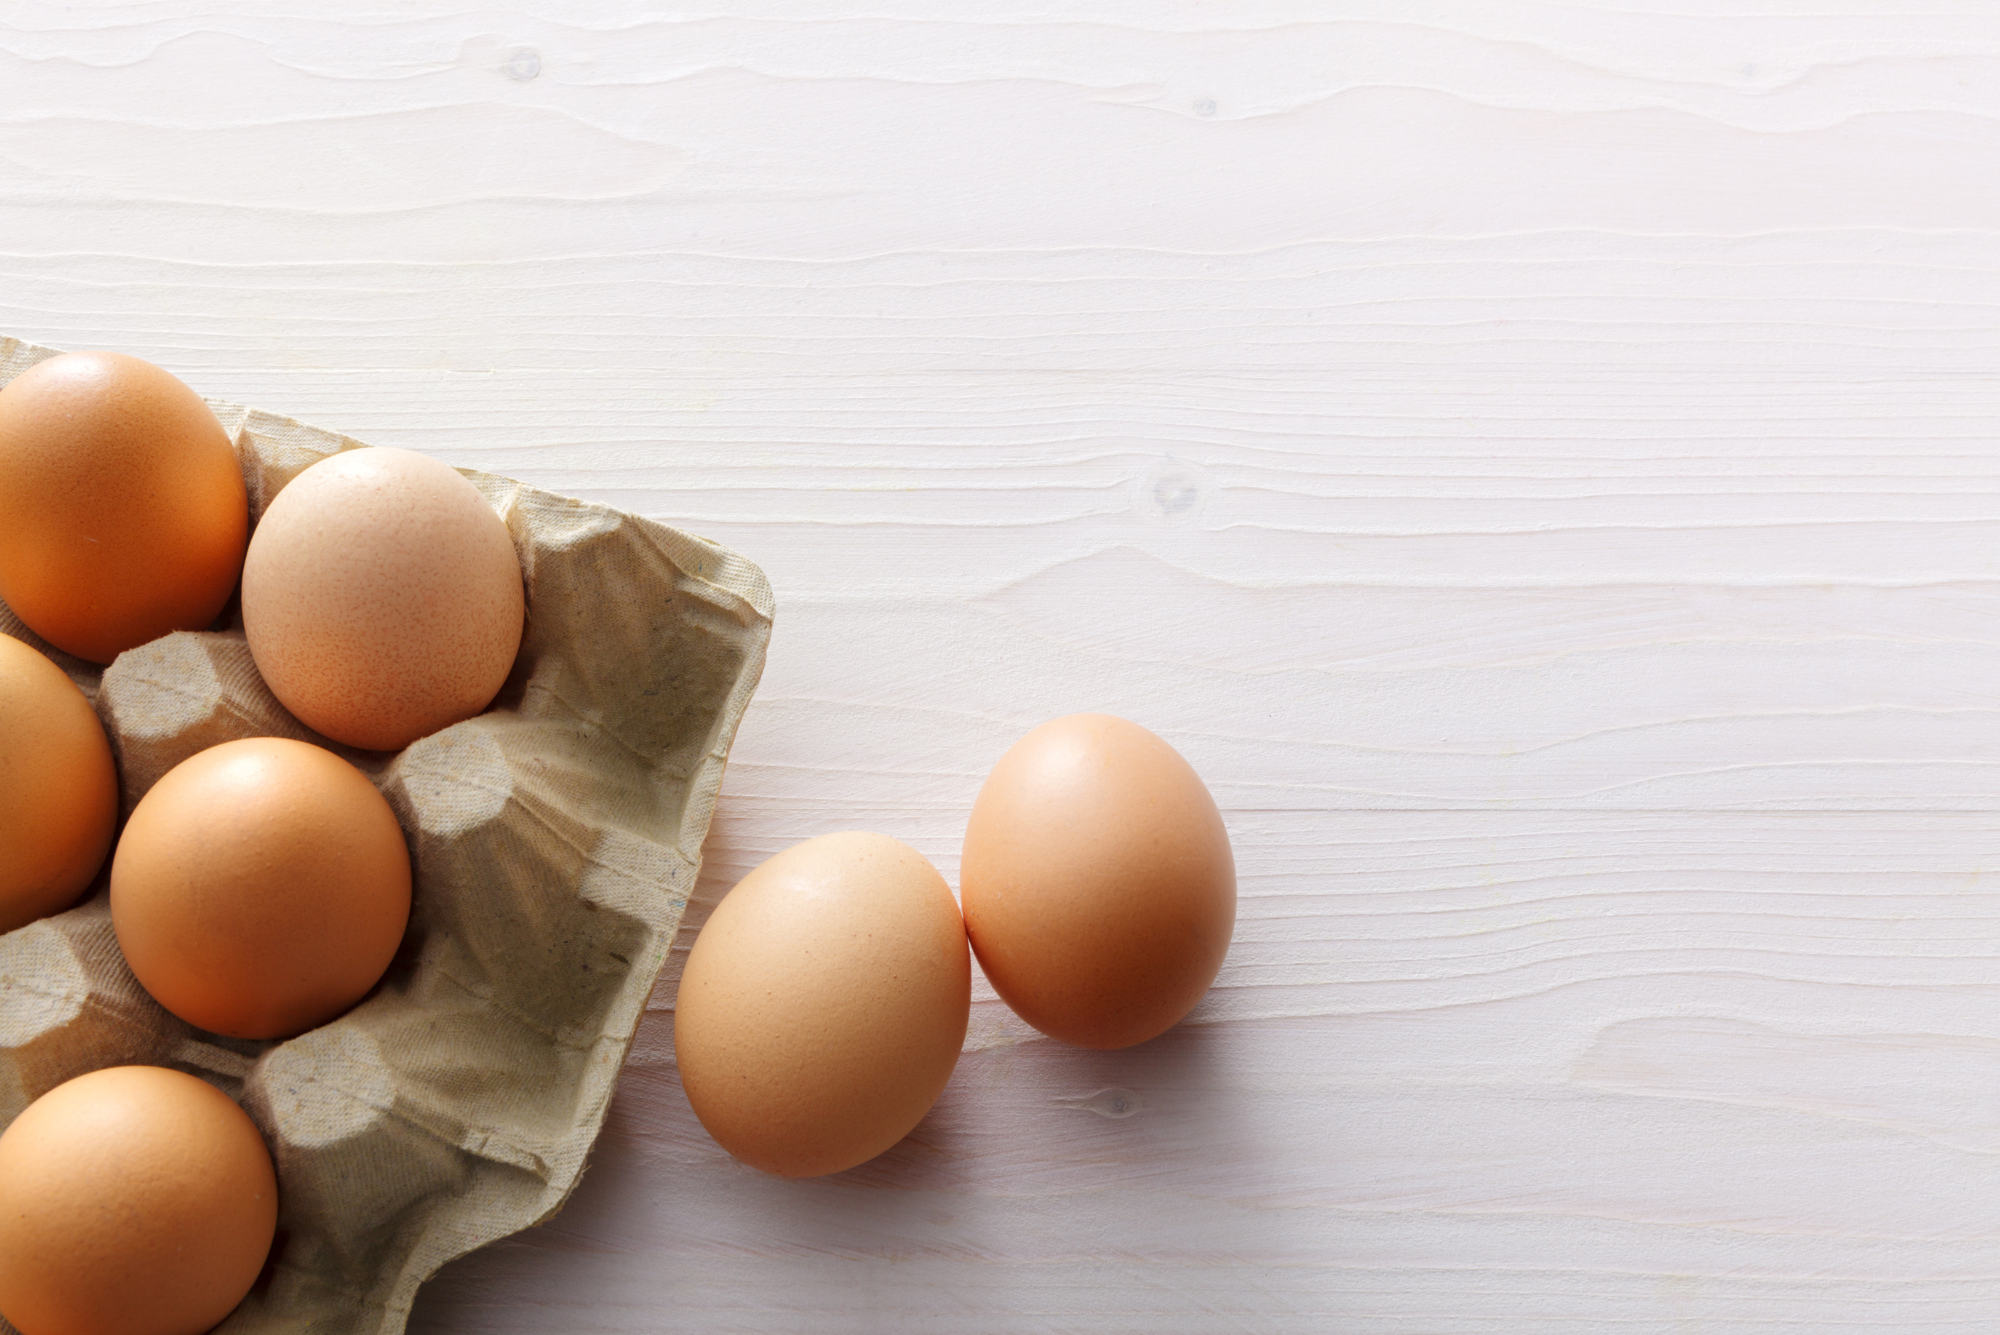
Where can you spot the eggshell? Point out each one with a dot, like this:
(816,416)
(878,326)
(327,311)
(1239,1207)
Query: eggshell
(260,888)
(382,598)
(824,1005)
(1098,883)
(133,1199)
(58,788)
(122,509)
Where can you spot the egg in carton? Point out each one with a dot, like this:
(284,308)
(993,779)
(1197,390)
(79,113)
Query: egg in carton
(554,841)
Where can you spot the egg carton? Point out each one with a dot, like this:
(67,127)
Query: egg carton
(554,841)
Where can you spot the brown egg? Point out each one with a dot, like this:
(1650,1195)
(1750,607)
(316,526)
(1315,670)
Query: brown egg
(260,888)
(824,1005)
(133,1199)
(1098,884)
(122,510)
(58,788)
(382,598)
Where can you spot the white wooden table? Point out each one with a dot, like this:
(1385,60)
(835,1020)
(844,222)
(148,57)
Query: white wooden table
(1540,463)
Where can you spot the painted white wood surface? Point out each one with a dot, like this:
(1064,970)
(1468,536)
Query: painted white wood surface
(1538,462)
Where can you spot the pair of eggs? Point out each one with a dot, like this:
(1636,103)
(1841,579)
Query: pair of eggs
(261,887)
(382,597)
(824,1005)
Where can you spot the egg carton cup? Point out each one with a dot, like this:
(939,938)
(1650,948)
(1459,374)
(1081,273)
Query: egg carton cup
(554,841)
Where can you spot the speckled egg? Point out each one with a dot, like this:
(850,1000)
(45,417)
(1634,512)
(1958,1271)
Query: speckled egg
(824,1005)
(382,598)
(1098,883)
(122,509)
(133,1199)
(58,788)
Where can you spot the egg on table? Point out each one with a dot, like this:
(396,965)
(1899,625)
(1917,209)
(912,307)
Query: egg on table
(382,598)
(260,888)
(824,1004)
(1098,883)
(133,1199)
(123,514)
(58,788)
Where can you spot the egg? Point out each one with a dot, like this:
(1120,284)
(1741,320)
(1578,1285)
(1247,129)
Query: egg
(1098,883)
(122,510)
(58,788)
(261,887)
(382,598)
(133,1199)
(824,1004)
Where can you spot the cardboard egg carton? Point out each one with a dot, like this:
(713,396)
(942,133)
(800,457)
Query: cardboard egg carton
(554,841)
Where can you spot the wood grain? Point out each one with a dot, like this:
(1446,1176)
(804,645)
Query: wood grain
(1536,461)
